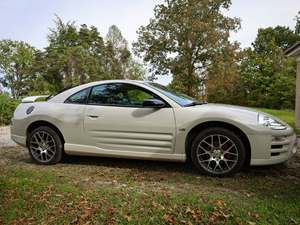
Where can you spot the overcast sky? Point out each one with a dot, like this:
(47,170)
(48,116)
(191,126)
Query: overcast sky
(29,20)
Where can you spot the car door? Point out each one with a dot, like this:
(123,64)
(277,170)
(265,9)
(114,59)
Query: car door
(116,120)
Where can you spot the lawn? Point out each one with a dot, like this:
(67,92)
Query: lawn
(84,190)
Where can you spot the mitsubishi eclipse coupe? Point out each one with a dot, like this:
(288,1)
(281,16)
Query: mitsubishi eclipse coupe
(145,120)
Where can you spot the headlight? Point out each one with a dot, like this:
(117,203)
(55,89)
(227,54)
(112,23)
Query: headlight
(269,122)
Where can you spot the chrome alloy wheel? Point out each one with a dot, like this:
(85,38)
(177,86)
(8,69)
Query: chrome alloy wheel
(42,146)
(217,154)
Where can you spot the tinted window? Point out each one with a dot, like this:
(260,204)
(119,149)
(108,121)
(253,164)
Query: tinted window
(79,97)
(119,95)
(180,98)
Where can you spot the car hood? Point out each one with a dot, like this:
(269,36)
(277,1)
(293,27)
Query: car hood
(228,109)
(240,109)
(239,113)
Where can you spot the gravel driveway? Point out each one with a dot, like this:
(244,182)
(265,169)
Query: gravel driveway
(5,140)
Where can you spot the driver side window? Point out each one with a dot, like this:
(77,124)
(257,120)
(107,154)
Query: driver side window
(119,94)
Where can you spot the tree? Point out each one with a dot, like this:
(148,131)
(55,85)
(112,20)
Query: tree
(74,56)
(16,60)
(223,78)
(280,36)
(267,76)
(297,27)
(136,70)
(184,38)
(119,61)
(80,55)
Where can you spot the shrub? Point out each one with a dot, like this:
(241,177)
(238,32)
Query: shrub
(7,108)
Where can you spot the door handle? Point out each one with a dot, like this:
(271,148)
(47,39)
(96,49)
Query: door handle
(93,116)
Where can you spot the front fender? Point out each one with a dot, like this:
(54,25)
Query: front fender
(187,119)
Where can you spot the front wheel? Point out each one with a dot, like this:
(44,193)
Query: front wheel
(218,152)
(45,146)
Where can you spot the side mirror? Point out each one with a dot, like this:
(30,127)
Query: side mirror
(153,103)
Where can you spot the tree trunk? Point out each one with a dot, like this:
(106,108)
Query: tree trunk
(297,106)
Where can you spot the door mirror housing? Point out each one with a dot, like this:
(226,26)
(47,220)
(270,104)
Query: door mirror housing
(153,103)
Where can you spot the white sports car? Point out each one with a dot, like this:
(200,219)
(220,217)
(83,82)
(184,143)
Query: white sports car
(145,120)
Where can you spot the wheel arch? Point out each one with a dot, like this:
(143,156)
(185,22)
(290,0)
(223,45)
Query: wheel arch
(196,129)
(40,123)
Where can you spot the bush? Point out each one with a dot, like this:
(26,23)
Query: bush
(7,108)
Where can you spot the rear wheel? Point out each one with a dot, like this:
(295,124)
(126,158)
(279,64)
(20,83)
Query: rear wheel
(218,152)
(45,146)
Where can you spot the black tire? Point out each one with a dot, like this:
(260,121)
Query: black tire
(208,155)
(45,146)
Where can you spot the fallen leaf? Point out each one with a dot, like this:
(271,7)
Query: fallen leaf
(154,204)
(186,222)
(169,218)
(221,203)
(128,217)
(251,223)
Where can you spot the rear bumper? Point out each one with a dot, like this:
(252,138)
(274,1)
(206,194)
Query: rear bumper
(21,140)
(18,132)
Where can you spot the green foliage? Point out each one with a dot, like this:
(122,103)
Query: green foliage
(267,38)
(187,38)
(223,78)
(183,38)
(119,62)
(267,76)
(7,107)
(16,63)
(297,27)
(75,55)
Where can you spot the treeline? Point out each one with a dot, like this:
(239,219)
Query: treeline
(190,40)
(262,76)
(186,38)
(74,55)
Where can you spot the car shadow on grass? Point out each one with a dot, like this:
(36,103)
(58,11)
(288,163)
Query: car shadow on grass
(176,167)
(147,165)
(263,181)
(18,155)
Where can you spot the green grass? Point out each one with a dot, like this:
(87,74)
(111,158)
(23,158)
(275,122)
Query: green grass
(286,115)
(132,195)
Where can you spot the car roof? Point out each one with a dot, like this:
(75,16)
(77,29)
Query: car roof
(60,98)
(117,81)
(64,94)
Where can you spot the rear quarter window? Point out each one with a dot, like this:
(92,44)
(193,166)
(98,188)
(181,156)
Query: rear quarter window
(79,97)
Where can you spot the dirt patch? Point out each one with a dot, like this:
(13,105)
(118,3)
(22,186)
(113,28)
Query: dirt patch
(13,155)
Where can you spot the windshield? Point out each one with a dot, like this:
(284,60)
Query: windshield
(178,97)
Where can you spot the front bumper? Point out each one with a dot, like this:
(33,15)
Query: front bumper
(277,147)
